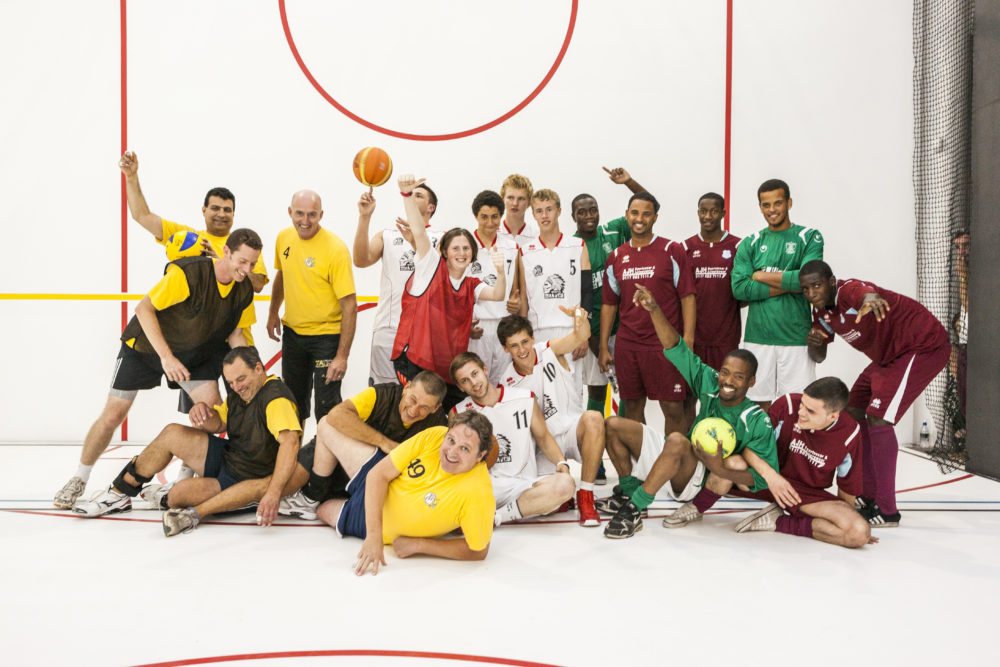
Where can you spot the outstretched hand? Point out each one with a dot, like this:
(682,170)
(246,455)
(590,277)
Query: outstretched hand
(129,164)
(408,182)
(366,205)
(618,175)
(873,303)
(644,299)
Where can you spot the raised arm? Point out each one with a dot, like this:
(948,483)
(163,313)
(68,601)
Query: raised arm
(137,206)
(579,335)
(664,330)
(414,221)
(622,177)
(367,251)
(498,292)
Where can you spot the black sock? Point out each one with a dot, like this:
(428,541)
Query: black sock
(317,487)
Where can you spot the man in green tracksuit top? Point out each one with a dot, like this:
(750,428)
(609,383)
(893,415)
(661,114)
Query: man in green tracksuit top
(765,275)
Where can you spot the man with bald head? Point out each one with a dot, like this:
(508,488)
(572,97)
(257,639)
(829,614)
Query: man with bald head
(316,283)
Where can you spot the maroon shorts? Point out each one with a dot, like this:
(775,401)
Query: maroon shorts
(647,374)
(887,392)
(714,354)
(808,495)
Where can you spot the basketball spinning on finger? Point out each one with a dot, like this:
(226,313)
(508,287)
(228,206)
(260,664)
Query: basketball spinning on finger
(372,166)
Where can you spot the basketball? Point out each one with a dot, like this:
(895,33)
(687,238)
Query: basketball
(372,166)
(494,452)
(184,244)
(711,433)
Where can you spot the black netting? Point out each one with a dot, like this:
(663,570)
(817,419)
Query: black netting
(942,97)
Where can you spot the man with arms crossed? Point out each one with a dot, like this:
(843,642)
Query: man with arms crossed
(254,464)
(908,347)
(445,486)
(179,330)
(766,275)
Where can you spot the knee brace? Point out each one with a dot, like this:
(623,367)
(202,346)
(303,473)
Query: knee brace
(123,485)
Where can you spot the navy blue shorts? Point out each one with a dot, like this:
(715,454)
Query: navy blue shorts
(213,463)
(352,515)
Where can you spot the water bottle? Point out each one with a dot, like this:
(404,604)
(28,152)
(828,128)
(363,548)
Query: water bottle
(612,378)
(925,437)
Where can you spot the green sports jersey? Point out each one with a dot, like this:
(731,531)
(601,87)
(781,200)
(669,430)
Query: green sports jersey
(751,423)
(784,319)
(607,237)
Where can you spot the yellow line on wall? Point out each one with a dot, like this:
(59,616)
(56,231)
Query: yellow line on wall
(114,297)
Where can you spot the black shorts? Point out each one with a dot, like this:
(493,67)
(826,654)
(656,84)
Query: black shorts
(214,469)
(135,371)
(338,485)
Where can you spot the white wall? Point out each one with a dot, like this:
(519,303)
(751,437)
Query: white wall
(821,97)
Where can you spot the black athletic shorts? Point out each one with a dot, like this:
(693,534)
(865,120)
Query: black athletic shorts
(136,371)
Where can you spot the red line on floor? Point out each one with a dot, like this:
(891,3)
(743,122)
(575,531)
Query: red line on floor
(927,486)
(349,652)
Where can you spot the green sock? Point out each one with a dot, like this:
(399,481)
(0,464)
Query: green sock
(628,484)
(621,409)
(641,499)
(595,405)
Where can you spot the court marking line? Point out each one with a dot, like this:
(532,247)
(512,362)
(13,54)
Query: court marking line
(460,657)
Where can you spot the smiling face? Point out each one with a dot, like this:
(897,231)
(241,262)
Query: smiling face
(460,450)
(218,215)
(458,254)
(774,207)
(734,381)
(236,264)
(640,216)
(710,214)
(243,380)
(520,346)
(488,220)
(546,214)
(416,403)
(472,379)
(814,415)
(306,211)
(586,216)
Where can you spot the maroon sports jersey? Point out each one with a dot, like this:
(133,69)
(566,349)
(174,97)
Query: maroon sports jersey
(814,458)
(661,267)
(908,327)
(718,321)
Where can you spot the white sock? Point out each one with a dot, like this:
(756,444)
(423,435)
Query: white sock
(586,486)
(507,513)
(83,472)
(184,473)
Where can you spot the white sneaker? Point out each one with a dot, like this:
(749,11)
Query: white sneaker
(682,516)
(152,497)
(762,520)
(106,502)
(67,496)
(180,520)
(298,506)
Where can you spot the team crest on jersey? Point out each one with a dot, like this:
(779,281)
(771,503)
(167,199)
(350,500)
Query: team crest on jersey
(763,248)
(790,248)
(726,254)
(490,279)
(475,268)
(607,247)
(550,408)
(310,262)
(554,287)
(430,500)
(537,271)
(406,261)
(397,241)
(503,447)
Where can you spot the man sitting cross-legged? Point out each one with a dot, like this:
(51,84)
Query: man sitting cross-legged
(255,463)
(546,368)
(519,427)
(720,394)
(817,441)
(383,415)
(446,486)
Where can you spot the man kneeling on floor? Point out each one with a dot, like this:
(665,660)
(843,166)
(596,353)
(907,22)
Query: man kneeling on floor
(446,486)
(255,463)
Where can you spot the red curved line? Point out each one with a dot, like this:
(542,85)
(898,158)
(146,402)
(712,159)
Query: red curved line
(428,137)
(366,306)
(927,486)
(349,652)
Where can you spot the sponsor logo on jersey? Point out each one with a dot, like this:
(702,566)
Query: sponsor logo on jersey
(711,272)
(537,271)
(876,403)
(550,408)
(639,273)
(310,262)
(696,253)
(815,458)
(790,248)
(726,254)
(554,287)
(406,261)
(597,279)
(677,387)
(763,248)
(430,500)
(626,258)
(397,241)
(607,247)
(851,335)
(503,446)
(476,268)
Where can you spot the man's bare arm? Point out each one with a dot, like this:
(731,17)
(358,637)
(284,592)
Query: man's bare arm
(345,418)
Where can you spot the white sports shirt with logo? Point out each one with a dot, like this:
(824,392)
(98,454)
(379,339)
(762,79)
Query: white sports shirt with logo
(559,396)
(483,269)
(511,419)
(552,279)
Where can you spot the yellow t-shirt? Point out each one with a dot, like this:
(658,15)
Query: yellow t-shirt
(281,414)
(316,274)
(217,242)
(425,501)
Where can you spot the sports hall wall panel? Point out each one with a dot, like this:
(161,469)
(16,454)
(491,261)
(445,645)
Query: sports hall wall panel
(215,97)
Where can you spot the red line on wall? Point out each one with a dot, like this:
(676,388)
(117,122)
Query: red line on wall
(124,202)
(460,657)
(729,105)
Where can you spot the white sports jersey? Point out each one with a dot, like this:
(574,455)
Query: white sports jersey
(397,265)
(529,231)
(511,419)
(552,279)
(559,395)
(483,269)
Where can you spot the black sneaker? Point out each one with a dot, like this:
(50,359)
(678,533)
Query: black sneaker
(625,523)
(876,518)
(861,503)
(611,504)
(602,476)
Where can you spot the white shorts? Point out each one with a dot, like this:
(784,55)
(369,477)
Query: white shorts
(381,370)
(652,447)
(567,445)
(589,369)
(506,489)
(781,369)
(490,350)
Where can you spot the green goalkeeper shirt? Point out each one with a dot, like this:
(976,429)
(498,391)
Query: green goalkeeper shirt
(776,320)
(751,423)
(607,237)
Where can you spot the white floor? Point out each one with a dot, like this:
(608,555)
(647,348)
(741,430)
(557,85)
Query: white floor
(114,591)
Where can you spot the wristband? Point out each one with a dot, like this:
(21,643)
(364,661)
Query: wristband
(407,194)
(563,463)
